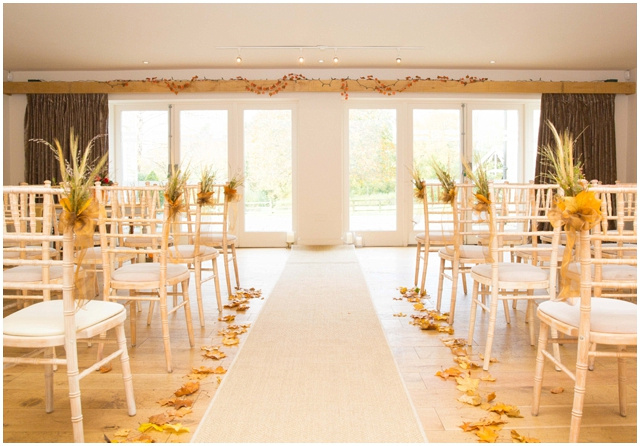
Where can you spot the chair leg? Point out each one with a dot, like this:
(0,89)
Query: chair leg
(440,283)
(216,281)
(493,313)
(424,269)
(539,373)
(417,273)
(531,322)
(187,311)
(73,379)
(454,290)
(579,390)
(235,265)
(133,305)
(225,256)
(464,283)
(592,358)
(507,316)
(164,318)
(126,370)
(622,382)
(48,381)
(472,315)
(198,277)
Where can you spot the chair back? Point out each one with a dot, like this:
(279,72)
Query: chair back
(215,224)
(438,216)
(136,226)
(29,240)
(522,220)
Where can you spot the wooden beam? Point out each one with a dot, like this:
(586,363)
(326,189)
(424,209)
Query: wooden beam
(318,86)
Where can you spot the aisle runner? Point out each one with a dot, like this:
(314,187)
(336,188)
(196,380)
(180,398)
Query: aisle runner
(316,366)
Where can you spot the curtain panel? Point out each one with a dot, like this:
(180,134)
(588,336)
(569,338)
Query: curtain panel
(52,116)
(591,119)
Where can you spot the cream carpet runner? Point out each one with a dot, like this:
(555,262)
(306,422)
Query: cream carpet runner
(315,366)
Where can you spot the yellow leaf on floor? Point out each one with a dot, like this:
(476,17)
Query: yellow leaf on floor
(557,390)
(144,427)
(105,368)
(399,315)
(491,397)
(488,434)
(473,400)
(467,384)
(451,371)
(227,318)
(522,439)
(418,306)
(510,411)
(188,388)
(160,419)
(175,428)
(227,340)
(220,370)
(487,377)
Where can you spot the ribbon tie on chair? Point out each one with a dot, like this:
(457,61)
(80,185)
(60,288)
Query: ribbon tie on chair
(575,214)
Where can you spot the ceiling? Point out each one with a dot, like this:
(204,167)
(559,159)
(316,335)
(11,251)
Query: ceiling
(117,36)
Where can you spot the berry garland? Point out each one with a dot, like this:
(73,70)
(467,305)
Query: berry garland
(281,84)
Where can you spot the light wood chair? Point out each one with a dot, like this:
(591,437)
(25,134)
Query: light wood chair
(457,258)
(590,320)
(189,250)
(149,235)
(507,280)
(63,322)
(439,232)
(215,231)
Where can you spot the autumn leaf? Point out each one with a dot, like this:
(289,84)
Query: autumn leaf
(105,368)
(399,315)
(491,397)
(418,306)
(473,400)
(402,290)
(202,370)
(161,419)
(220,370)
(188,388)
(144,427)
(557,390)
(491,360)
(454,342)
(467,384)
(122,433)
(451,371)
(487,377)
(242,307)
(522,439)
(445,329)
(179,413)
(459,351)
(175,428)
(227,318)
(510,411)
(488,434)
(230,340)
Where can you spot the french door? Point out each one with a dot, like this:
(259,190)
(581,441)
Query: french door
(254,144)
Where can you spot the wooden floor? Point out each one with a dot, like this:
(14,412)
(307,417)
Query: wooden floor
(419,355)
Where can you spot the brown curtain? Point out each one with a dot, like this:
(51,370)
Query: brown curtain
(591,119)
(51,116)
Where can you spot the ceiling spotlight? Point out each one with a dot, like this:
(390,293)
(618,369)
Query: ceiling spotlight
(238,58)
(492,61)
(398,60)
(335,55)
(301,58)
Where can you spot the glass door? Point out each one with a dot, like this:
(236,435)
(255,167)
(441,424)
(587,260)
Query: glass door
(373,175)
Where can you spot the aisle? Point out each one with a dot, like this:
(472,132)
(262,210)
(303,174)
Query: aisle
(316,366)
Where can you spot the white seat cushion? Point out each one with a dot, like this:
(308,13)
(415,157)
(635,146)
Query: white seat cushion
(607,315)
(544,254)
(147,272)
(623,273)
(187,251)
(30,273)
(513,272)
(436,237)
(216,239)
(630,249)
(467,251)
(47,318)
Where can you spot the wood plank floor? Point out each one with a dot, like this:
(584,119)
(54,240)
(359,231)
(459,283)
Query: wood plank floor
(419,355)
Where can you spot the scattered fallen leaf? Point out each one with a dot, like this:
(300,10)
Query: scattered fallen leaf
(188,388)
(230,340)
(467,384)
(473,400)
(510,411)
(220,370)
(227,318)
(557,390)
(450,372)
(160,419)
(492,360)
(122,433)
(179,413)
(488,434)
(522,439)
(491,397)
(105,368)
(399,315)
(487,377)
(454,342)
(418,306)
(144,427)
(175,428)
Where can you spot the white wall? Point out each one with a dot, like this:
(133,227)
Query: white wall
(319,142)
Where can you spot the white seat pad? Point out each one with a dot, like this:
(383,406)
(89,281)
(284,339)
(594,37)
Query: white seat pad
(436,237)
(47,318)
(544,254)
(187,251)
(607,315)
(147,272)
(467,251)
(29,273)
(624,273)
(630,249)
(513,272)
